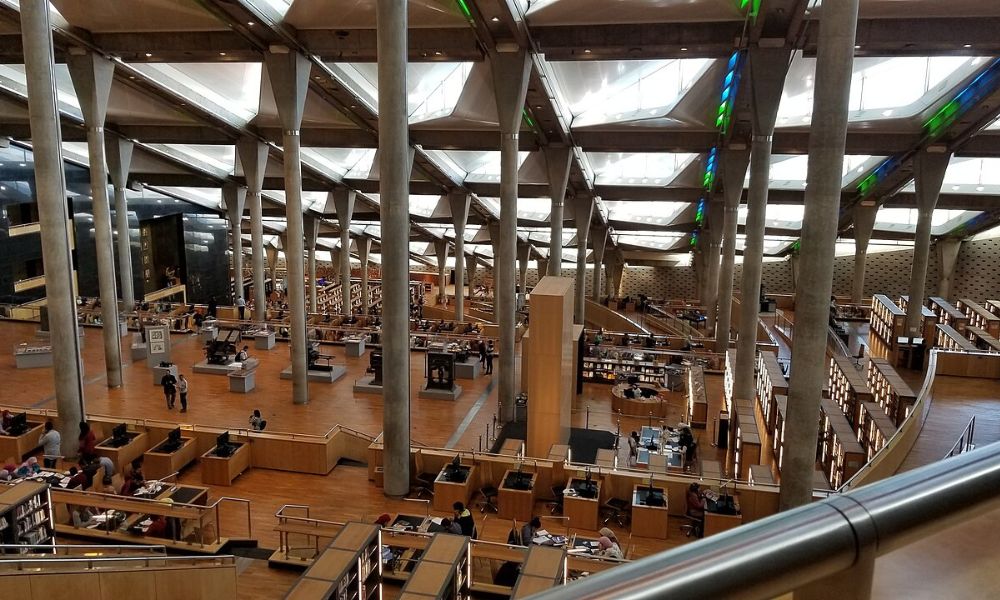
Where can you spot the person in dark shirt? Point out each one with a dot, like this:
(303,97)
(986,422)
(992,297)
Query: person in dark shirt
(529,529)
(77,479)
(169,383)
(88,441)
(464,519)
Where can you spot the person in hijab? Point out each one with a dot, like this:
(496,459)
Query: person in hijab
(609,548)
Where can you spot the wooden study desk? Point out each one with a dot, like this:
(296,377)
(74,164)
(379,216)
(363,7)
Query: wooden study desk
(453,484)
(581,503)
(511,447)
(718,520)
(649,520)
(158,464)
(123,455)
(17,446)
(222,470)
(516,495)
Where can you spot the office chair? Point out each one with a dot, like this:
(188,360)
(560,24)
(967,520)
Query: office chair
(423,483)
(556,504)
(693,526)
(489,500)
(618,510)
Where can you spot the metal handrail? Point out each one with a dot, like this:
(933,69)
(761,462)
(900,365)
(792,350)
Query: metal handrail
(965,441)
(816,542)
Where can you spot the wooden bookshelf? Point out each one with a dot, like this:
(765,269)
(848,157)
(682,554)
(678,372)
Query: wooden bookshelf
(615,369)
(874,428)
(350,568)
(982,340)
(928,319)
(697,400)
(771,382)
(778,440)
(840,452)
(848,387)
(26,516)
(886,325)
(729,379)
(544,568)
(948,314)
(980,317)
(889,390)
(443,571)
(745,440)
(949,339)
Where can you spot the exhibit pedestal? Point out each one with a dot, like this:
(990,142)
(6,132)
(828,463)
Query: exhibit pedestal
(159,372)
(365,386)
(437,394)
(263,341)
(242,381)
(33,357)
(470,369)
(207,369)
(335,373)
(354,346)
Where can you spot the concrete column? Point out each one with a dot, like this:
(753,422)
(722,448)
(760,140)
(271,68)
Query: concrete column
(617,272)
(92,75)
(864,222)
(53,216)
(827,139)
(310,225)
(473,264)
(344,200)
(716,225)
(948,256)
(253,158)
(557,163)
(510,83)
(395,163)
(271,252)
(928,173)
(583,211)
(698,263)
(459,204)
(733,167)
(235,196)
(543,267)
(599,241)
(119,153)
(441,252)
(609,280)
(289,75)
(523,256)
(767,68)
(364,249)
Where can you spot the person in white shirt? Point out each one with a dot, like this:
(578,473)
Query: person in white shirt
(51,443)
(241,304)
(182,389)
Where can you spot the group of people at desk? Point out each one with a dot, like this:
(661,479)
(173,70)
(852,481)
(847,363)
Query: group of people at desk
(666,440)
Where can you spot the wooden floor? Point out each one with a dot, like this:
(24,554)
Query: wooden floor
(346,494)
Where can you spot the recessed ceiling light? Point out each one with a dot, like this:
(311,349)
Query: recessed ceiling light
(586,50)
(967,46)
(684,49)
(222,53)
(250,23)
(858,47)
(955,188)
(2,188)
(495,19)
(980,188)
(131,76)
(887,113)
(23,164)
(148,55)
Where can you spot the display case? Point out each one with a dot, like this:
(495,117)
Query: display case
(848,387)
(770,383)
(840,452)
(980,317)
(875,428)
(26,516)
(697,401)
(889,390)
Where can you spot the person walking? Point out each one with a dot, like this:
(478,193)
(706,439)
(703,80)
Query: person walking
(169,383)
(241,305)
(489,358)
(482,353)
(182,388)
(213,307)
(51,443)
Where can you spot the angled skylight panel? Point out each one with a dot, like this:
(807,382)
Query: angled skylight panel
(905,219)
(230,90)
(354,163)
(207,197)
(445,162)
(789,171)
(12,78)
(432,89)
(650,240)
(311,200)
(969,175)
(651,213)
(638,168)
(473,166)
(217,159)
(773,244)
(881,88)
(277,6)
(600,92)
(534,209)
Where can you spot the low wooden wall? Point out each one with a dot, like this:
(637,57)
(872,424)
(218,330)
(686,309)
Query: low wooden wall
(154,582)
(599,315)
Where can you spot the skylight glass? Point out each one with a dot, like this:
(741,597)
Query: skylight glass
(599,92)
(780,216)
(881,88)
(205,157)
(432,89)
(773,244)
(905,219)
(420,205)
(846,247)
(789,171)
(652,212)
(228,88)
(637,168)
(311,200)
(473,166)
(207,197)
(12,77)
(967,175)
(350,163)
(652,240)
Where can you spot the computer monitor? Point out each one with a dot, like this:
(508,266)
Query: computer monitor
(119,435)
(222,445)
(19,424)
(174,437)
(457,461)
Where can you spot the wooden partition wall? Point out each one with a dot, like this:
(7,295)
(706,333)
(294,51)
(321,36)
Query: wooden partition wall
(550,365)
(158,580)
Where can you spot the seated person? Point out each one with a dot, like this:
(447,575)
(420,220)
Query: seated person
(158,528)
(107,487)
(529,530)
(77,479)
(609,548)
(81,516)
(108,464)
(243,354)
(695,502)
(257,423)
(630,392)
(451,527)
